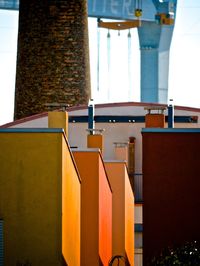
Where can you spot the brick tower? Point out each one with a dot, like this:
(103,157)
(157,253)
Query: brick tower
(53,55)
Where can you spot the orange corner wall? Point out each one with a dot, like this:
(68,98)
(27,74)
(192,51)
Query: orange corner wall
(96,209)
(71,205)
(122,212)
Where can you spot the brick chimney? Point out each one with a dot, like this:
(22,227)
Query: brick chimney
(53,55)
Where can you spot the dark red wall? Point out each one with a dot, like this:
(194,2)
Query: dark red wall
(171,189)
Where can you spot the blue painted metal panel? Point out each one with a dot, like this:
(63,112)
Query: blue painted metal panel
(1,243)
(116,9)
(120,9)
(155,39)
(155,43)
(165,6)
(9,4)
(127,119)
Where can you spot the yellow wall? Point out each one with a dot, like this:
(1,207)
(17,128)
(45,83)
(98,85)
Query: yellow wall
(31,197)
(58,119)
(123,210)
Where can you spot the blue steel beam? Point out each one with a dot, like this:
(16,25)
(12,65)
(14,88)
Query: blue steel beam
(120,9)
(128,119)
(112,9)
(9,4)
(154,38)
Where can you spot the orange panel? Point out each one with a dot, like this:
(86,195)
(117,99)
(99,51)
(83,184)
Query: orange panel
(71,201)
(105,216)
(96,223)
(155,120)
(122,211)
(95,141)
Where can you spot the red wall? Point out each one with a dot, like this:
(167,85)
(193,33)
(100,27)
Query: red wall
(171,188)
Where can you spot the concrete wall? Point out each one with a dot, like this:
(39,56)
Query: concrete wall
(36,176)
(170,188)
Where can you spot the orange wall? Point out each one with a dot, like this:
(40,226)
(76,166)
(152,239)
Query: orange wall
(129,220)
(122,210)
(155,120)
(105,216)
(95,141)
(71,204)
(96,224)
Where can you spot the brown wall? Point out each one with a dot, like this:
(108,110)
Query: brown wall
(53,55)
(171,171)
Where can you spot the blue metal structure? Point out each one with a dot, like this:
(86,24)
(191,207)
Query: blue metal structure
(155,34)
(9,4)
(127,119)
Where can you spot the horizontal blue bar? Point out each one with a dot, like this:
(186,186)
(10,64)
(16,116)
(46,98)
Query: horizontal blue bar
(127,119)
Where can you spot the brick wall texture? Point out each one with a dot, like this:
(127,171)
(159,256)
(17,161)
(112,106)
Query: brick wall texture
(53,55)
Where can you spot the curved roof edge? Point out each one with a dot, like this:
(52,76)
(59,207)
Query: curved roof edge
(99,105)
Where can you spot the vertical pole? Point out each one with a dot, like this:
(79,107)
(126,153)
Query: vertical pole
(91,118)
(170,115)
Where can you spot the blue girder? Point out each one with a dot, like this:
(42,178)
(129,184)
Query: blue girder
(155,35)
